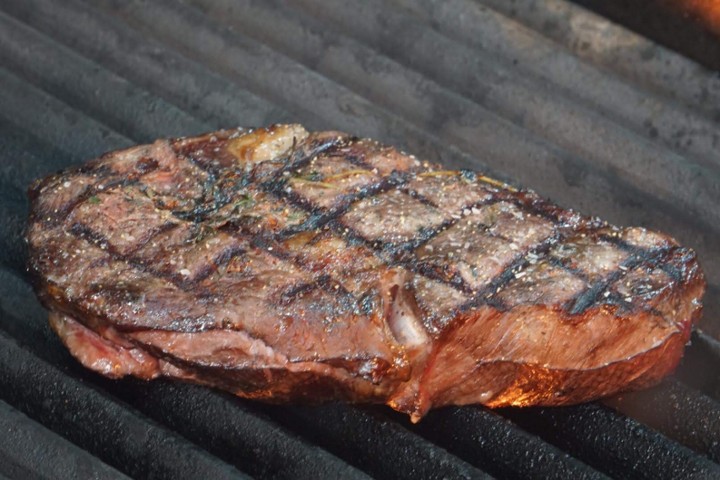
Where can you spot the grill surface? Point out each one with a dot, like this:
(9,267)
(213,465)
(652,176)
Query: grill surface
(542,93)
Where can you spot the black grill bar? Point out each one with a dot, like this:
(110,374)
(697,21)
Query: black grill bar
(613,443)
(232,430)
(353,434)
(40,114)
(694,368)
(642,62)
(24,441)
(32,156)
(64,74)
(149,64)
(116,434)
(669,122)
(677,411)
(270,74)
(594,39)
(498,446)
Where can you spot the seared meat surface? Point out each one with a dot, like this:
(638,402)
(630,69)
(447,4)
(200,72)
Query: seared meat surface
(284,265)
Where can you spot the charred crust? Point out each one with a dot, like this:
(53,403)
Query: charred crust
(208,214)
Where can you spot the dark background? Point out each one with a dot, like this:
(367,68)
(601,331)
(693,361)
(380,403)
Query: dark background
(684,26)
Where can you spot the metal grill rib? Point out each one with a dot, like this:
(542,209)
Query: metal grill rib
(498,445)
(23,441)
(353,435)
(149,64)
(679,412)
(612,443)
(596,40)
(47,392)
(43,115)
(64,74)
(655,117)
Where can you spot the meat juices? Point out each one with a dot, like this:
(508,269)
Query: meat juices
(287,266)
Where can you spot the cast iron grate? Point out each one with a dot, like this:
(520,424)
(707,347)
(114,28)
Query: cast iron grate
(629,134)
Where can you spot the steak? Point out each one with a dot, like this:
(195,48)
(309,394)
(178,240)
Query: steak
(283,265)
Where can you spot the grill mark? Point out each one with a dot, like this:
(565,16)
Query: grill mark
(390,258)
(86,233)
(215,195)
(181,324)
(106,178)
(640,258)
(401,255)
(355,159)
(267,243)
(319,216)
(456,281)
(496,194)
(487,295)
(559,263)
(354,238)
(81,231)
(348,301)
(60,215)
(620,243)
(358,162)
(305,156)
(296,291)
(497,197)
(221,259)
(420,198)
(632,249)
(430,233)
(326,283)
(323,280)
(673,272)
(425,235)
(259,240)
(540,207)
(187,154)
(389,255)
(221,197)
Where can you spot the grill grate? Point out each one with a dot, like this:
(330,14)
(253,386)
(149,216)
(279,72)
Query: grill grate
(630,134)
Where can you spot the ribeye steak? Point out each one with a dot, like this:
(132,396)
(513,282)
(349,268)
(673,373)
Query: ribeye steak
(284,265)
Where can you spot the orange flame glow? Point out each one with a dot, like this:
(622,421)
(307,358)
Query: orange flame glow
(707,11)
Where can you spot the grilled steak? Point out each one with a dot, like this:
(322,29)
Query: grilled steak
(284,265)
